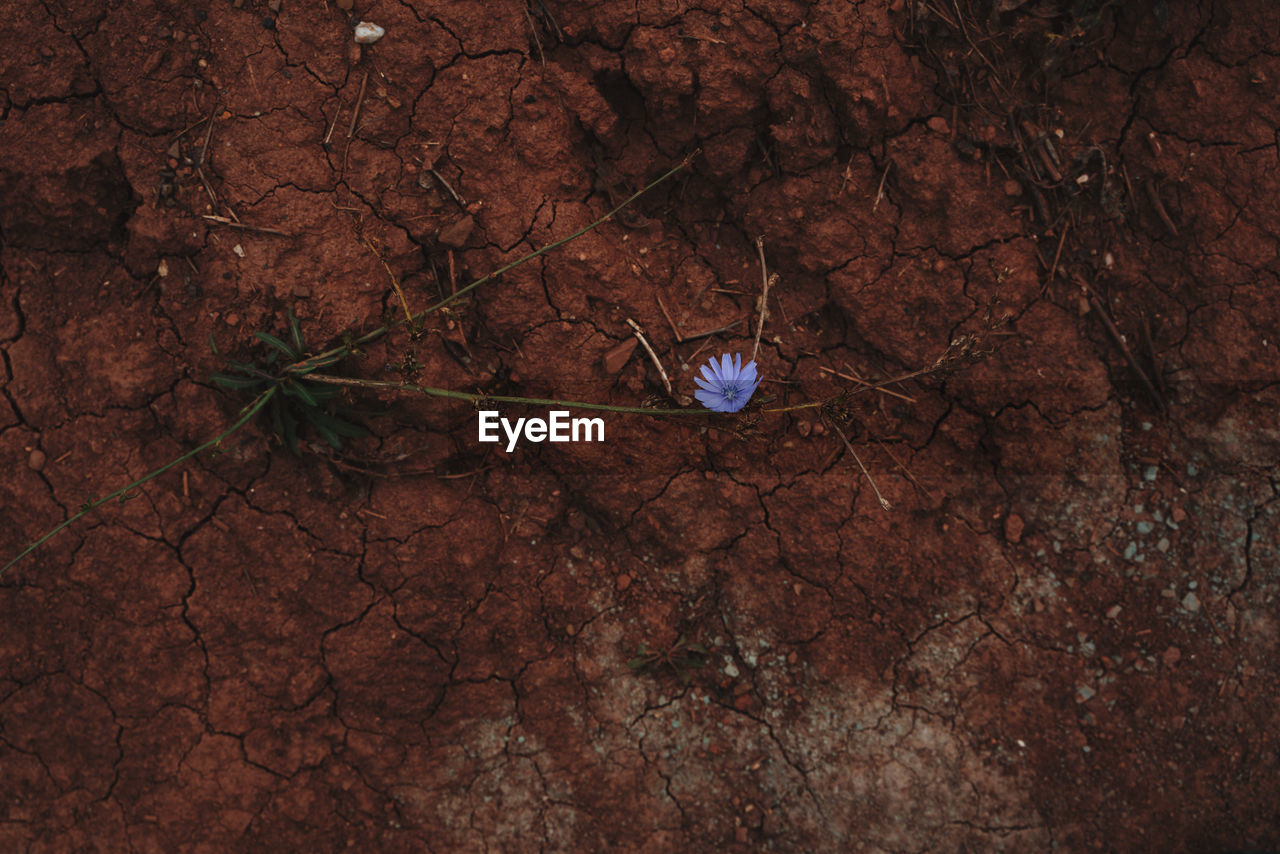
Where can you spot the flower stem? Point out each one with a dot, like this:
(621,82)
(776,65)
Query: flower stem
(477,397)
(498,398)
(245,417)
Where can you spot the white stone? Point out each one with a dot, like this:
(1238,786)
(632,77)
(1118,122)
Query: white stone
(367,33)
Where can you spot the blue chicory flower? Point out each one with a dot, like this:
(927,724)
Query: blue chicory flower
(726,386)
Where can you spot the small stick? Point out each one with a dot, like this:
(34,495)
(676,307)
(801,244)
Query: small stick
(674,328)
(1119,339)
(537,41)
(1062,238)
(1154,195)
(355,118)
(848,173)
(332,126)
(701,347)
(213,197)
(863,382)
(1038,140)
(355,114)
(189,128)
(911,477)
(208,134)
(546,13)
(1128,185)
(764,296)
(231,223)
(880,189)
(666,382)
(695,336)
(1027,162)
(461,201)
(883,504)
(394,283)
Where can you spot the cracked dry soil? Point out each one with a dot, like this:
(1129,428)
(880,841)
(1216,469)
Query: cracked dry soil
(1062,637)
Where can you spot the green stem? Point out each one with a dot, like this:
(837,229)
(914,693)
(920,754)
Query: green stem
(499,398)
(307,364)
(476,397)
(246,416)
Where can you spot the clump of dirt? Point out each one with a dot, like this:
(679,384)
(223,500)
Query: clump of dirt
(1024,600)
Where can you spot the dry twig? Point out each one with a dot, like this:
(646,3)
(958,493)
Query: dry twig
(666,381)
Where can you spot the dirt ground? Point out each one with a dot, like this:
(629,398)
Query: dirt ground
(1061,637)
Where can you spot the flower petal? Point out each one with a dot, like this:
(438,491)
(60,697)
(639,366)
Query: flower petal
(726,367)
(710,400)
(706,386)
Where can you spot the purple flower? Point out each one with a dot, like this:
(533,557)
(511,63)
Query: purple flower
(727,385)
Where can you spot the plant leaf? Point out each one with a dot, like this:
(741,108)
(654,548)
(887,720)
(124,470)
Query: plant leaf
(227,381)
(300,391)
(272,341)
(295,332)
(337,425)
(328,435)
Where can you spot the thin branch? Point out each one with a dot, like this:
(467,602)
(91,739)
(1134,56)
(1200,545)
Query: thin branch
(666,381)
(245,417)
(883,504)
(767,280)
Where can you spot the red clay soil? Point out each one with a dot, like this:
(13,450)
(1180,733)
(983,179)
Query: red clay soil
(1063,635)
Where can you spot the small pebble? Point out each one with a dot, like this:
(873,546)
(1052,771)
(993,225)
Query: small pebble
(456,234)
(1113,612)
(1145,527)
(1084,693)
(36,459)
(1150,473)
(1013,528)
(1191,603)
(367,33)
(1163,545)
(616,357)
